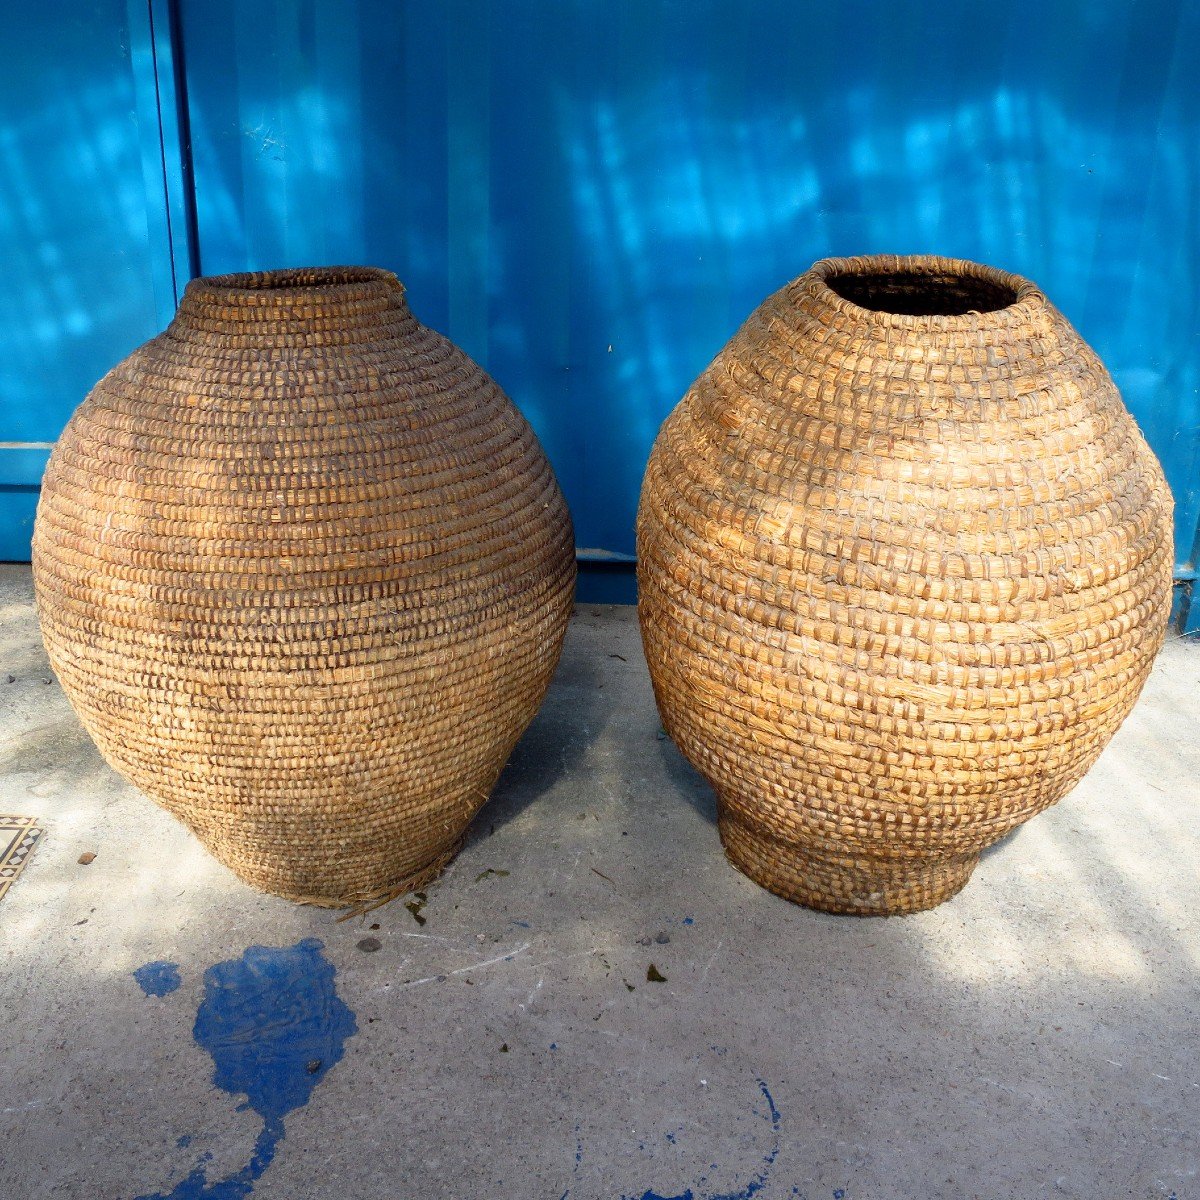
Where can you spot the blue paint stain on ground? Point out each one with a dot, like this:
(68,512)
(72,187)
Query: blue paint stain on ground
(158,978)
(768,1112)
(275,1026)
(757,1182)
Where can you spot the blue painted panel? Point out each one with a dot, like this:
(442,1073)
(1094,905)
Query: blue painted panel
(82,224)
(18,507)
(21,468)
(590,197)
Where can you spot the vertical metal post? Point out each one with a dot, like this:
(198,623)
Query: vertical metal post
(175,134)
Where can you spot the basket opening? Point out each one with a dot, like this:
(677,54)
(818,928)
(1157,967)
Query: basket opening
(922,294)
(299,277)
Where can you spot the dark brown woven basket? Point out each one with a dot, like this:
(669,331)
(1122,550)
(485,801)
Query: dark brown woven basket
(304,572)
(904,565)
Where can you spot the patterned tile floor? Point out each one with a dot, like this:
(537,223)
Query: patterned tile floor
(18,836)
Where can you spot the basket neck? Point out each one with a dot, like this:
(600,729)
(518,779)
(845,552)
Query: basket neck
(340,303)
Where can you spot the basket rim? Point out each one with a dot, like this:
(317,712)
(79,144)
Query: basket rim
(1028,297)
(290,284)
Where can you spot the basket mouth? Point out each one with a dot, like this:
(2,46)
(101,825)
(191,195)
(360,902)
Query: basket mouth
(294,284)
(921,289)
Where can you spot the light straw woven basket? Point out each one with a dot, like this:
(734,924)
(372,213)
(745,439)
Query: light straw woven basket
(304,573)
(904,565)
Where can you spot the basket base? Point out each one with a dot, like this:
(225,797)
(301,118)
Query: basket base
(861,886)
(359,900)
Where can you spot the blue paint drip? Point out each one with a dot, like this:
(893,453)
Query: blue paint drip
(759,1181)
(184,1142)
(689,921)
(756,1184)
(274,1025)
(158,978)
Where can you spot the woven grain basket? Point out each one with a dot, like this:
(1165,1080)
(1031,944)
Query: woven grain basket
(304,572)
(904,564)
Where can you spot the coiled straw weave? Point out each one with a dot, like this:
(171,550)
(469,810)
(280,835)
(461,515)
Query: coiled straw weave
(304,572)
(904,564)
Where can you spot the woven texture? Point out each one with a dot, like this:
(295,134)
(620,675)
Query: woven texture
(304,572)
(904,565)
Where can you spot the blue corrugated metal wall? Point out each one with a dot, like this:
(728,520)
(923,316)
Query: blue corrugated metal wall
(589,197)
(83,224)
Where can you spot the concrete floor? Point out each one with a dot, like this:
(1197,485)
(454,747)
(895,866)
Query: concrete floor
(1036,1036)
